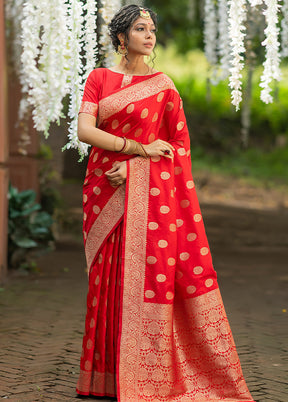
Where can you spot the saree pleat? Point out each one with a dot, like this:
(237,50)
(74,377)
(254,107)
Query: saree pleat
(98,360)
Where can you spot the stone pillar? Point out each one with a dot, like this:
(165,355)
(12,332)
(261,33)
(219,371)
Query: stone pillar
(3,152)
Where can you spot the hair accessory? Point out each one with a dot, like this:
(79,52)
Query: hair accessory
(144,13)
(122,49)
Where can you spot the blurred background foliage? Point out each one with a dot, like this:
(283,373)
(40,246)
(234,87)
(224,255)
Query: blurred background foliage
(215,126)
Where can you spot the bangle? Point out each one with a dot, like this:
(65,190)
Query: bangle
(124,145)
(141,145)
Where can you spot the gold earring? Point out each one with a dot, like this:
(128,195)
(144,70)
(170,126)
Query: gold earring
(122,49)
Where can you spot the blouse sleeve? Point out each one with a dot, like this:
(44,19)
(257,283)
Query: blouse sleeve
(90,98)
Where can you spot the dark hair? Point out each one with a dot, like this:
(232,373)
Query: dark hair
(123,20)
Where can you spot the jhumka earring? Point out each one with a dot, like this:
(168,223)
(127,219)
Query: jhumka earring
(144,13)
(122,49)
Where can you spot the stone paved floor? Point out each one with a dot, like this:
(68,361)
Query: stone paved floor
(42,315)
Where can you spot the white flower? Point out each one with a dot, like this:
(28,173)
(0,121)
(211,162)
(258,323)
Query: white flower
(284,32)
(44,59)
(237,18)
(255,3)
(224,48)
(272,63)
(109,8)
(210,31)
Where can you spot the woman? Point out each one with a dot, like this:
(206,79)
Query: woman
(156,329)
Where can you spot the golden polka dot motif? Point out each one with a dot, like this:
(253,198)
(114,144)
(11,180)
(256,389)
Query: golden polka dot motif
(96,209)
(169,296)
(179,223)
(97,280)
(171,261)
(184,256)
(179,275)
(85,198)
(95,157)
(115,124)
(164,209)
(180,126)
(130,108)
(197,217)
(172,227)
(154,191)
(94,303)
(185,203)
(191,236)
(105,160)
(170,106)
(155,117)
(126,128)
(160,97)
(165,175)
(155,158)
(178,170)
(190,289)
(181,151)
(153,225)
(190,184)
(98,172)
(162,243)
(204,251)
(197,270)
(151,259)
(161,278)
(209,282)
(151,138)
(149,294)
(144,113)
(96,190)
(138,132)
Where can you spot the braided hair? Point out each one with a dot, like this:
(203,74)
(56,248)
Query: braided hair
(123,20)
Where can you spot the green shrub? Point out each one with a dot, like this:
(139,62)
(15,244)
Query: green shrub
(29,228)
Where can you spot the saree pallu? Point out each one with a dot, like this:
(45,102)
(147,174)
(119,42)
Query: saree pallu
(156,328)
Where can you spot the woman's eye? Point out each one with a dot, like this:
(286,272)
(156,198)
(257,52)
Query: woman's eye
(140,29)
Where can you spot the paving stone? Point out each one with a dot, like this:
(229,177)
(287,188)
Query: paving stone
(42,315)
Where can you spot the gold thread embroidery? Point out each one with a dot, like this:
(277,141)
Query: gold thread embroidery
(134,270)
(105,222)
(98,383)
(127,79)
(142,90)
(89,107)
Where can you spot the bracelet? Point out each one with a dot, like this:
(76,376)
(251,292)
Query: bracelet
(141,145)
(124,145)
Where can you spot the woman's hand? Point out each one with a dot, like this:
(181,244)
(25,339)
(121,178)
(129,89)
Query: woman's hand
(118,174)
(160,148)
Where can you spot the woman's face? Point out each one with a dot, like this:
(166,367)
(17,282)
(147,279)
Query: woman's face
(142,37)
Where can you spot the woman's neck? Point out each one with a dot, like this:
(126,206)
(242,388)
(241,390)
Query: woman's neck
(135,65)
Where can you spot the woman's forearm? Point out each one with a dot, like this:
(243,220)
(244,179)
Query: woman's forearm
(92,135)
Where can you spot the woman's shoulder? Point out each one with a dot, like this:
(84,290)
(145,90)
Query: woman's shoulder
(167,82)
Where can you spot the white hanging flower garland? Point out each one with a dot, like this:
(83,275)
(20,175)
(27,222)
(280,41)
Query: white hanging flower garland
(75,11)
(44,60)
(272,63)
(90,39)
(224,48)
(210,31)
(237,18)
(109,8)
(284,31)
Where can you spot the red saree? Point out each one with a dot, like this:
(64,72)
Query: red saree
(156,329)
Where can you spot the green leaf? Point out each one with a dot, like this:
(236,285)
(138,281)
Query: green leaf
(25,242)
